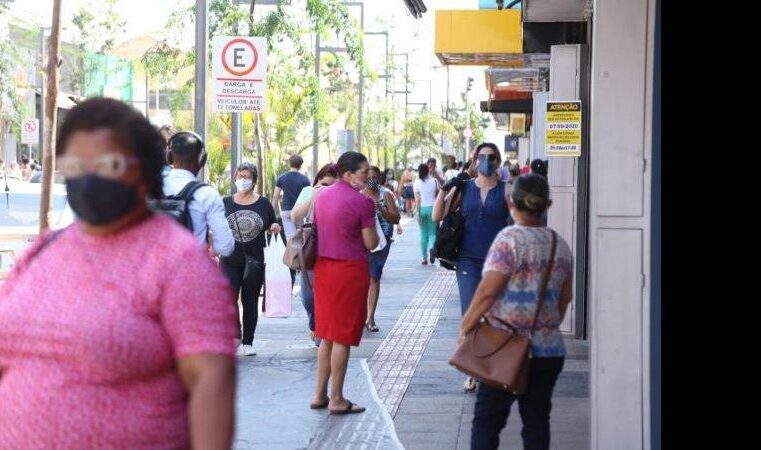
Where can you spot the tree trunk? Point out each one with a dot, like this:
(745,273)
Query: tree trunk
(51,116)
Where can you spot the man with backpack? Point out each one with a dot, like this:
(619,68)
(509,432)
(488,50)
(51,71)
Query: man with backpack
(199,206)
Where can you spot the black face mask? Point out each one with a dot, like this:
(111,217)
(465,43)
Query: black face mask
(98,200)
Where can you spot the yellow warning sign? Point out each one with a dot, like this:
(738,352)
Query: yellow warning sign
(562,129)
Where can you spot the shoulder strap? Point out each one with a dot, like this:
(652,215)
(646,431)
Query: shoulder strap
(310,214)
(545,281)
(187,192)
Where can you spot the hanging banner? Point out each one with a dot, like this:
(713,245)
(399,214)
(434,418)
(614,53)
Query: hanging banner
(563,129)
(240,73)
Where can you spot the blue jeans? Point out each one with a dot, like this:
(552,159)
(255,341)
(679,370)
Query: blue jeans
(307,298)
(493,407)
(468,277)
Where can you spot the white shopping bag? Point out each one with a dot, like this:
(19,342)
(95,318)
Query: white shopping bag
(381,237)
(277,280)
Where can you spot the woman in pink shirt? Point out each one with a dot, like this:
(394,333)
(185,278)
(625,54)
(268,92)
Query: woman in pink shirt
(345,224)
(118,331)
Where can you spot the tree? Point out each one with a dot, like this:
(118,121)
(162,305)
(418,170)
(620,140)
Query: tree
(294,97)
(464,115)
(97,31)
(422,132)
(51,114)
(12,106)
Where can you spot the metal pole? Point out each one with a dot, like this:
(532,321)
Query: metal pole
(235,149)
(147,94)
(41,84)
(406,99)
(202,52)
(316,130)
(361,85)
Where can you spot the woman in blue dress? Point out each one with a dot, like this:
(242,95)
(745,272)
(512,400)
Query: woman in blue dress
(483,202)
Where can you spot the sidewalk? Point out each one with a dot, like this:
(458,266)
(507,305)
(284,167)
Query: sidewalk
(418,316)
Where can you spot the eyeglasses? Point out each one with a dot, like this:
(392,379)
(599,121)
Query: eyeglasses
(110,165)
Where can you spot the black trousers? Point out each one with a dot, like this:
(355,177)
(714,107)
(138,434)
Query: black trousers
(493,408)
(249,297)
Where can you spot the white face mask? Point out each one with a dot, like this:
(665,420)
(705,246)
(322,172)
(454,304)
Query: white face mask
(244,184)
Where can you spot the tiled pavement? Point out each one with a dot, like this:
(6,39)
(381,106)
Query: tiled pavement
(433,412)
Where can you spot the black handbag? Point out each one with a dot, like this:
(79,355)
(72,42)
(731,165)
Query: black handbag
(253,265)
(449,235)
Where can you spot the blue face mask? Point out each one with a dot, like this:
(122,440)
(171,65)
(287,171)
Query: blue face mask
(487,167)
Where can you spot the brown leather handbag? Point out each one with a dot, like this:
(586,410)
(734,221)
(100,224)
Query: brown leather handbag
(497,357)
(301,249)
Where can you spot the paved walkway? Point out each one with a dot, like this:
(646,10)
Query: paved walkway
(415,399)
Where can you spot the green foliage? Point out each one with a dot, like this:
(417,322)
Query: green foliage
(294,97)
(422,133)
(98,29)
(13,108)
(218,165)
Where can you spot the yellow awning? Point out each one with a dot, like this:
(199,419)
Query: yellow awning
(479,37)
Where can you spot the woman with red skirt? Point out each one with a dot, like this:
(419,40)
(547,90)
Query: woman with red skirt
(345,223)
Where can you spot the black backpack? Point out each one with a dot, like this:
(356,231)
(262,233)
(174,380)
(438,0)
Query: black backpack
(177,206)
(449,236)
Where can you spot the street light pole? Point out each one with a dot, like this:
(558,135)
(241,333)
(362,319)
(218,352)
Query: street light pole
(317,51)
(202,51)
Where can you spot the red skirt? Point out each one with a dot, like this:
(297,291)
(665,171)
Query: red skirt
(340,299)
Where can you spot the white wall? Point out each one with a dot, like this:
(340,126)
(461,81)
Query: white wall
(621,113)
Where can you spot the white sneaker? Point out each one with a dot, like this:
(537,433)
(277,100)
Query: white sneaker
(246,350)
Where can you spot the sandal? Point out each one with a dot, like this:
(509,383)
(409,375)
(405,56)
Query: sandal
(470,384)
(373,328)
(319,405)
(349,409)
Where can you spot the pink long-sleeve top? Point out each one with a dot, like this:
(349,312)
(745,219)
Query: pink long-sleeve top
(90,333)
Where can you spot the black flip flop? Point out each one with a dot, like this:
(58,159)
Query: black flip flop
(373,328)
(349,410)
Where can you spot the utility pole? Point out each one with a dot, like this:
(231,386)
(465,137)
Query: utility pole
(406,93)
(51,115)
(317,50)
(41,84)
(202,52)
(386,76)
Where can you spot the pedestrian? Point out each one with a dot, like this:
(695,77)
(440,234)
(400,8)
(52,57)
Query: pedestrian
(287,189)
(115,332)
(539,166)
(345,221)
(483,202)
(426,188)
(388,216)
(407,190)
(249,215)
(14,171)
(513,275)
(26,169)
(187,156)
(435,172)
(453,170)
(526,167)
(300,214)
(504,171)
